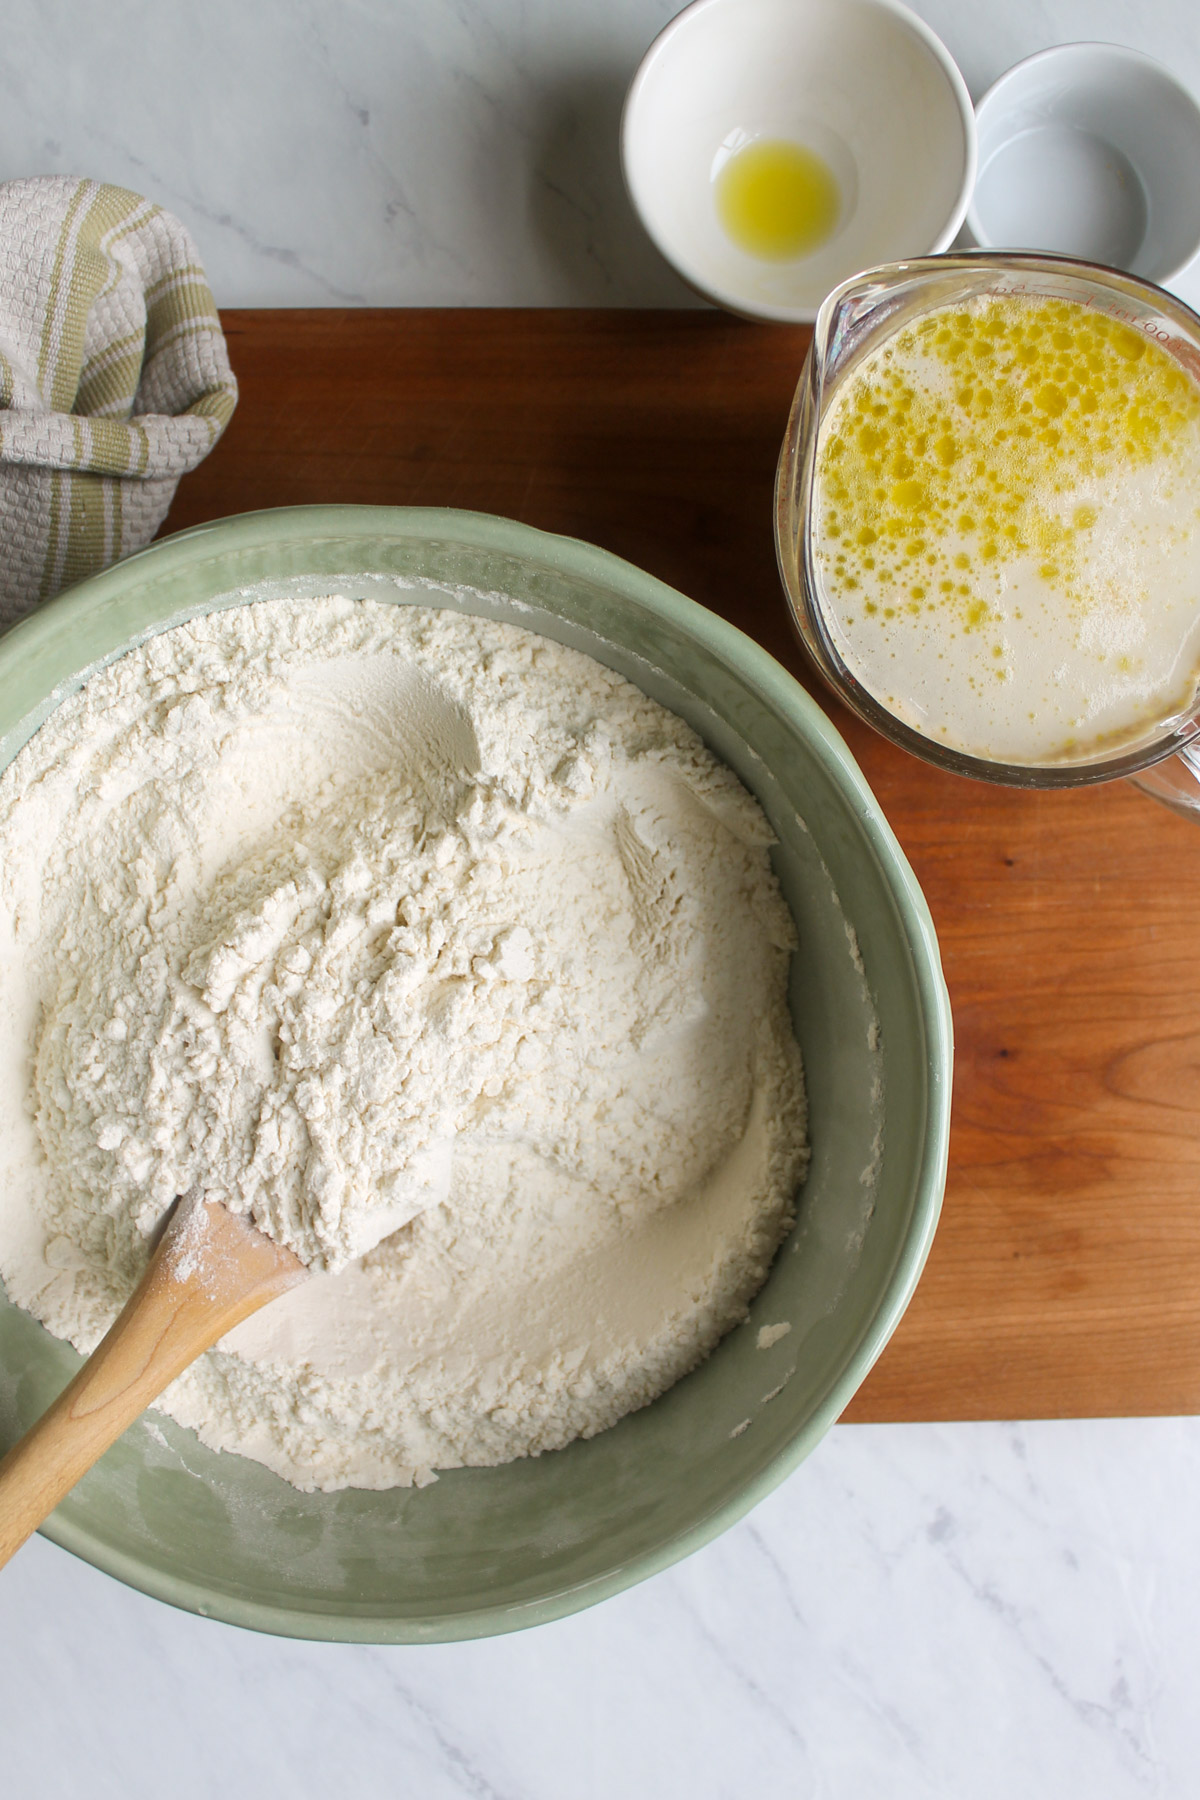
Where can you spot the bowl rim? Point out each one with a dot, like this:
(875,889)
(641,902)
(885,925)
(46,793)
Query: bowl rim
(997,101)
(802,314)
(48,632)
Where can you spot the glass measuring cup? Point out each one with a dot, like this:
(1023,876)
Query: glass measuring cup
(855,321)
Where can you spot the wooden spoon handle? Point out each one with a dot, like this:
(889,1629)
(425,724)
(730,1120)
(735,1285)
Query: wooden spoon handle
(211,1270)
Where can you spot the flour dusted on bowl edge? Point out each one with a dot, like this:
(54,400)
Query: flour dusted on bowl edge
(453,960)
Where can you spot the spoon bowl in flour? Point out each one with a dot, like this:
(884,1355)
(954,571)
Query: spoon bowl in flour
(211,1269)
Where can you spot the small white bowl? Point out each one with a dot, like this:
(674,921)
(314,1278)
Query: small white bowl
(1093,151)
(864,84)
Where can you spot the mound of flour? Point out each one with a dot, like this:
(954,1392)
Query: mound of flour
(449,957)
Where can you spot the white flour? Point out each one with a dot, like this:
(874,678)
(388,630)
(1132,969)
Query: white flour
(448,956)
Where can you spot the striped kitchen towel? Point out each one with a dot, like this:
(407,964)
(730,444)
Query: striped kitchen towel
(114,379)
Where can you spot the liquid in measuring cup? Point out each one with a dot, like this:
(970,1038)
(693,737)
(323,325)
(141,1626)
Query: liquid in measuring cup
(1005,529)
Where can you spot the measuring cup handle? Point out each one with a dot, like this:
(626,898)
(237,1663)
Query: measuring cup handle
(1175,781)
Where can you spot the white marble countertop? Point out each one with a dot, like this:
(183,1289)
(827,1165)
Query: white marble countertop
(412,152)
(963,1611)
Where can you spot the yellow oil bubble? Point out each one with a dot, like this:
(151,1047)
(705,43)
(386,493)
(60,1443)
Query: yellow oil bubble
(777,200)
(912,460)
(991,454)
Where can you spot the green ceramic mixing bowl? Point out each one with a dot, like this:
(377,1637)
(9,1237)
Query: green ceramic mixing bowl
(489,1550)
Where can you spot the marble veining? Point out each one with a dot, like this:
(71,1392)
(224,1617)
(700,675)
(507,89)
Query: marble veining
(960,1612)
(366,152)
(952,1612)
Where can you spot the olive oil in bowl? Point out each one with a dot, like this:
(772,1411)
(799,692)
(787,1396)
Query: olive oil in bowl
(777,200)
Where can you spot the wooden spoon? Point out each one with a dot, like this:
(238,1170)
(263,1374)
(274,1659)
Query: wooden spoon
(211,1269)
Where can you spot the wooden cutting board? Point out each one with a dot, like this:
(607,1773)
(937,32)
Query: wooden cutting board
(1065,1278)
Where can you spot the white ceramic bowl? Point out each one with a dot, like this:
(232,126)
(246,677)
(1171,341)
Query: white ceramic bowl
(1090,150)
(864,84)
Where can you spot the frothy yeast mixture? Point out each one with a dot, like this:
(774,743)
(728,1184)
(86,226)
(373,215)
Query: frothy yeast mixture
(451,959)
(1007,529)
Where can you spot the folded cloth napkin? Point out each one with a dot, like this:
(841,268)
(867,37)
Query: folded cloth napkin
(114,379)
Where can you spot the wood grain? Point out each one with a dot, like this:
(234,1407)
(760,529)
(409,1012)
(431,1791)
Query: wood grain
(1065,1279)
